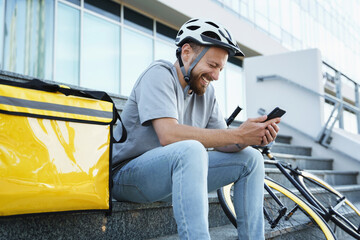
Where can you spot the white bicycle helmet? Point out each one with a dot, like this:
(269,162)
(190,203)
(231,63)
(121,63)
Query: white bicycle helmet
(209,33)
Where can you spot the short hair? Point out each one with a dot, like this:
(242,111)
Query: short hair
(196,47)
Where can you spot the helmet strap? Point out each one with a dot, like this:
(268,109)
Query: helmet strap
(181,64)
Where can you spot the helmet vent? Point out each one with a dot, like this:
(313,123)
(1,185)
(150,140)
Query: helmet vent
(211,35)
(231,43)
(228,34)
(193,28)
(181,32)
(212,24)
(194,20)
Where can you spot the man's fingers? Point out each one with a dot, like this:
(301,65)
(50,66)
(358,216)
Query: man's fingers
(272,131)
(259,119)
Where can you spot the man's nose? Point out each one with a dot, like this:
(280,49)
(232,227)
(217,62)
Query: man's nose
(215,74)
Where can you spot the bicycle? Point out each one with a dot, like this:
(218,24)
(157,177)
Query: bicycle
(319,204)
(286,211)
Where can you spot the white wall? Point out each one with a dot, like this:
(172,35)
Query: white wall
(305,110)
(302,67)
(246,34)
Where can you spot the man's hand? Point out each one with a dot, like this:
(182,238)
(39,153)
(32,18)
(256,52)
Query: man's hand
(270,134)
(255,131)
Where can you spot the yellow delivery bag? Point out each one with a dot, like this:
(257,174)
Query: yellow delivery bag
(55,148)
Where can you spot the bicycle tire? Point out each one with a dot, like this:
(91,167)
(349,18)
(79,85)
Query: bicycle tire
(304,218)
(346,216)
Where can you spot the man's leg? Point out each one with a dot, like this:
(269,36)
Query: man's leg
(179,169)
(246,169)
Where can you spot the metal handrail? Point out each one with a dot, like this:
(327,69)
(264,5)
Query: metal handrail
(326,95)
(324,137)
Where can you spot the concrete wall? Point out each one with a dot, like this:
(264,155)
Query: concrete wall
(303,107)
(175,13)
(304,119)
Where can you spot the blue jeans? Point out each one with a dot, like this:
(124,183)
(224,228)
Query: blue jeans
(185,172)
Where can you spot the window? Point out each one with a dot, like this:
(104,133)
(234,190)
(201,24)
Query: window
(230,89)
(220,86)
(100,54)
(235,90)
(137,20)
(77,2)
(165,51)
(165,43)
(106,8)
(137,54)
(166,33)
(28,37)
(67,45)
(2,14)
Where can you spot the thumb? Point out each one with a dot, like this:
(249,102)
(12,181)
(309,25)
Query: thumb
(260,119)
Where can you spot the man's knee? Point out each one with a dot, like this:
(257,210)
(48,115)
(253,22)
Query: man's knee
(191,152)
(254,160)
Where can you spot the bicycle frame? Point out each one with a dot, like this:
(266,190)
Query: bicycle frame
(293,177)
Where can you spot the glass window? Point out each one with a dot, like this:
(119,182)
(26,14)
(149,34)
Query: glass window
(100,54)
(107,8)
(137,54)
(28,43)
(220,86)
(274,11)
(77,2)
(244,10)
(138,20)
(275,30)
(2,15)
(235,92)
(286,16)
(262,7)
(67,53)
(165,51)
(165,32)
(261,21)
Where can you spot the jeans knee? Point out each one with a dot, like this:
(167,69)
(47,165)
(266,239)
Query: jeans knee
(192,153)
(255,162)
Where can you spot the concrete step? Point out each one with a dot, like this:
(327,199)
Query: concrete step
(127,221)
(304,162)
(283,139)
(291,149)
(352,192)
(226,232)
(330,176)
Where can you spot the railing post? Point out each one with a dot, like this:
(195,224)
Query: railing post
(339,96)
(357,104)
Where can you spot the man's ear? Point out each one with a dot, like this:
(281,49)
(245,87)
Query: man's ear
(186,52)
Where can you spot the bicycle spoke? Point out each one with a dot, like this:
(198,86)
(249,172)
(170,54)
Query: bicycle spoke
(287,221)
(340,210)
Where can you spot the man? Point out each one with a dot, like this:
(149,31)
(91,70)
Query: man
(172,116)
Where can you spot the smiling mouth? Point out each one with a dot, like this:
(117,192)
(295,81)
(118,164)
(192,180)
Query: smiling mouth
(205,80)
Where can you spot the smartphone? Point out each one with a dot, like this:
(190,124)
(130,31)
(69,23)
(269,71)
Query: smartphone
(277,112)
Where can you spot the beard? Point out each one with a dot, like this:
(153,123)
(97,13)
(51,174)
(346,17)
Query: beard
(195,84)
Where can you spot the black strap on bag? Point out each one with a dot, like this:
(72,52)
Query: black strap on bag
(98,95)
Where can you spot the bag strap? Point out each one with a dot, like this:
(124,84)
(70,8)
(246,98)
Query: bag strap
(98,95)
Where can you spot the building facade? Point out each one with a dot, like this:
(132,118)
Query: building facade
(105,45)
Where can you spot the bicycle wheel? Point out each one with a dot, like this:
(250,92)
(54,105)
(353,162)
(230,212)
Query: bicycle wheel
(342,212)
(299,220)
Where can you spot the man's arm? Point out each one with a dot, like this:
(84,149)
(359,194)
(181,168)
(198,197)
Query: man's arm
(251,132)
